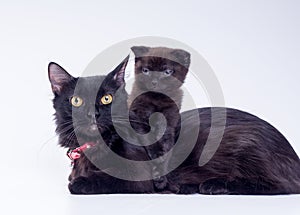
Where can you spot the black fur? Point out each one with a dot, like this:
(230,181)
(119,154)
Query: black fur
(253,157)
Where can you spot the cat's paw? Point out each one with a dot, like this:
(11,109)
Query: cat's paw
(189,189)
(80,185)
(214,187)
(173,188)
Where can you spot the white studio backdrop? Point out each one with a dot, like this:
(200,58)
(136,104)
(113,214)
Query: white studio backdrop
(252,46)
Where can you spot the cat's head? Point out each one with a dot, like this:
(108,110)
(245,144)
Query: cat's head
(83,105)
(160,68)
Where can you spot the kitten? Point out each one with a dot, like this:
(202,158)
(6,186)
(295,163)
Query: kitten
(253,157)
(83,109)
(159,74)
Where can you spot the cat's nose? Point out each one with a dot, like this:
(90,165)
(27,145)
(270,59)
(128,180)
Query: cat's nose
(93,127)
(91,117)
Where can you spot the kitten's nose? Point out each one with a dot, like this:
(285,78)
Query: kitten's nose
(154,83)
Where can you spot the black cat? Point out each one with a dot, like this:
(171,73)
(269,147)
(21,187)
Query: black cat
(83,110)
(159,74)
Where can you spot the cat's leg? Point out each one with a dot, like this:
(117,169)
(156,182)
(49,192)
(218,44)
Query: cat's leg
(93,184)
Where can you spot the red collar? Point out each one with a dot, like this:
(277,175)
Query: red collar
(76,153)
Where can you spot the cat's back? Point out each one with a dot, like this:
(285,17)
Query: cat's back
(241,131)
(237,145)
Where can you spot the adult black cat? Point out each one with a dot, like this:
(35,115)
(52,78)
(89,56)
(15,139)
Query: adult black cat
(83,109)
(159,74)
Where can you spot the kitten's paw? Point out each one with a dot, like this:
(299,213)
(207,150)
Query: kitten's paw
(214,187)
(160,182)
(80,185)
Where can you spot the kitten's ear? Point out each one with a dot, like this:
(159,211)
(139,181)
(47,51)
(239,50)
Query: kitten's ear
(183,57)
(58,77)
(140,51)
(119,72)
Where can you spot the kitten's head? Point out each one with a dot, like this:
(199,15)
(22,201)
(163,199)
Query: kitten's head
(160,68)
(83,105)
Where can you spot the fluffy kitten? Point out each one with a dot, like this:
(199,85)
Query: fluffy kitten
(159,74)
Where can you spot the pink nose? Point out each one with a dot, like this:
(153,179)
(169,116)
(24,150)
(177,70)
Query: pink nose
(93,127)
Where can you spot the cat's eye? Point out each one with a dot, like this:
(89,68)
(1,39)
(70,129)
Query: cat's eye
(168,72)
(107,99)
(76,101)
(145,70)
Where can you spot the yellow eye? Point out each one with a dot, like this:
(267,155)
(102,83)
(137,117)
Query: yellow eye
(107,99)
(76,101)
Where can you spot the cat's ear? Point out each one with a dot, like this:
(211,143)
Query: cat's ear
(183,57)
(140,51)
(119,72)
(58,77)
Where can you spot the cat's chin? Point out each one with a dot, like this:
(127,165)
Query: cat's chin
(84,137)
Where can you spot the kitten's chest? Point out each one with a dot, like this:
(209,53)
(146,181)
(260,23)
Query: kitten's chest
(158,102)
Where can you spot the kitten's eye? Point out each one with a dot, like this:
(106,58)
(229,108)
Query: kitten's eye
(145,70)
(76,101)
(107,99)
(168,72)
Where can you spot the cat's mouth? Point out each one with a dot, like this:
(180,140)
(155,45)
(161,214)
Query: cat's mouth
(153,89)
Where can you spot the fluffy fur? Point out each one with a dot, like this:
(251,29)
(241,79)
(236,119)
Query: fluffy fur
(253,157)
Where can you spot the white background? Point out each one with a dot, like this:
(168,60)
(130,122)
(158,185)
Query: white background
(252,46)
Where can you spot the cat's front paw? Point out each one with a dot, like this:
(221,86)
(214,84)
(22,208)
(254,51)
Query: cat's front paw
(214,187)
(189,189)
(80,185)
